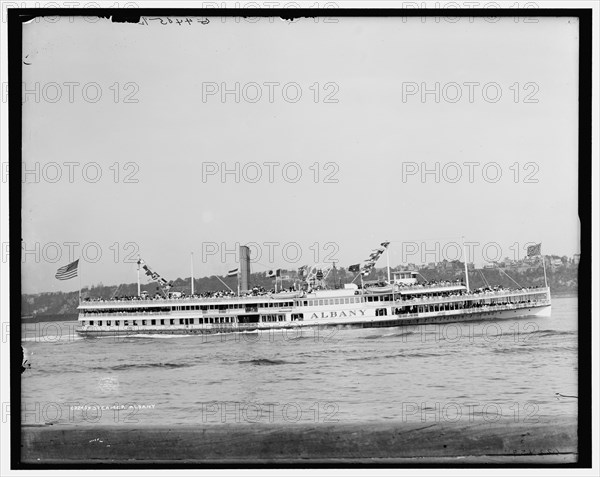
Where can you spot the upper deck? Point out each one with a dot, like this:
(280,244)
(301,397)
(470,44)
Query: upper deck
(288,300)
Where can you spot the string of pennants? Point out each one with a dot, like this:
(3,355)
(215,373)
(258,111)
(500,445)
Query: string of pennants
(370,262)
(154,276)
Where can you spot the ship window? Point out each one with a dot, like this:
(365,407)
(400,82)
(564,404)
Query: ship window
(172,321)
(143,322)
(99,322)
(162,322)
(153,322)
(91,322)
(126,322)
(181,321)
(108,323)
(117,322)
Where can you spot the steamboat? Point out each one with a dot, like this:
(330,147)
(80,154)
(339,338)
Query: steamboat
(397,301)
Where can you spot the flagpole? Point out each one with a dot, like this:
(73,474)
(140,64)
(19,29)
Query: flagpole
(466,267)
(544,264)
(138,277)
(192,270)
(238,279)
(387,256)
(79,277)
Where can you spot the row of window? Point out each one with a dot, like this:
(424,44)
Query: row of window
(337,301)
(232,306)
(462,305)
(272,318)
(172,321)
(164,309)
(188,321)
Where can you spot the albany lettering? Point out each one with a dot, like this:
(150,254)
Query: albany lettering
(337,314)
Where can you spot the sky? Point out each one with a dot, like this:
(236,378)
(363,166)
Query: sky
(325,141)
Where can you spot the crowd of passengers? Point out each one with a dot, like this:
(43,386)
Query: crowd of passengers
(256,291)
(259,291)
(482,291)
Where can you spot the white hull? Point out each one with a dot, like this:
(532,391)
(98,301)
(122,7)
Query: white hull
(365,319)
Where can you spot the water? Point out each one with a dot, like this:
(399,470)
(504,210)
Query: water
(464,372)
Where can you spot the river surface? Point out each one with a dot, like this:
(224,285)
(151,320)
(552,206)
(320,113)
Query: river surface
(518,369)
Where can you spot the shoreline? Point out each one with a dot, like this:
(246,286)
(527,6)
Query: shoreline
(552,440)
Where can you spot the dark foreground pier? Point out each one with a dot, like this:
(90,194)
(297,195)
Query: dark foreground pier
(548,441)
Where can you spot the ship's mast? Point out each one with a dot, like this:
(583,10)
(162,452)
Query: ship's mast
(138,276)
(387,256)
(466,267)
(192,270)
(544,265)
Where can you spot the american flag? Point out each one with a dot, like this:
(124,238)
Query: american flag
(68,271)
